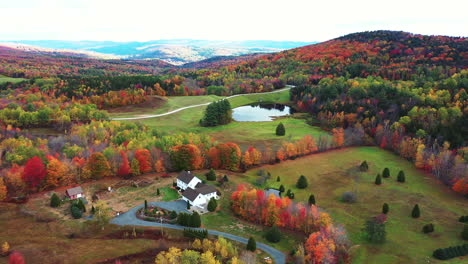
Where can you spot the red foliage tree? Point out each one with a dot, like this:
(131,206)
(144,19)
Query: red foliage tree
(16,258)
(144,158)
(34,172)
(124,169)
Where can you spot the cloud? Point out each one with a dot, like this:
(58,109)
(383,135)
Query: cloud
(305,20)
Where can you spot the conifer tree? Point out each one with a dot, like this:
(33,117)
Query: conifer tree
(378,179)
(280,130)
(54,200)
(386,173)
(385,208)
(302,182)
(401,177)
(311,199)
(251,245)
(416,212)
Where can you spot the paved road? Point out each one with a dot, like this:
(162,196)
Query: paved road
(192,106)
(129,218)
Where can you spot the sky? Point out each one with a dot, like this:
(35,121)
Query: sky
(293,20)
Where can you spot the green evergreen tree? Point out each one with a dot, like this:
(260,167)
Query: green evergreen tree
(401,177)
(173,215)
(211,175)
(302,182)
(386,173)
(80,204)
(195,220)
(212,205)
(252,245)
(385,208)
(416,212)
(280,130)
(364,166)
(464,233)
(146,205)
(55,200)
(375,231)
(93,210)
(281,188)
(188,205)
(278,179)
(311,199)
(158,192)
(225,178)
(76,212)
(378,179)
(273,235)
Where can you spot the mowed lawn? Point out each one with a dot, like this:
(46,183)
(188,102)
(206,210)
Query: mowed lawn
(4,79)
(332,173)
(257,134)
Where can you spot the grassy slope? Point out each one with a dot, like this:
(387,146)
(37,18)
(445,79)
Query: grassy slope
(331,173)
(4,79)
(242,133)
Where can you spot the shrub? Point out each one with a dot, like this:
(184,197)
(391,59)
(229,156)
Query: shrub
(173,215)
(416,212)
(280,130)
(385,208)
(464,233)
(273,235)
(225,178)
(450,252)
(401,177)
(364,166)
(188,205)
(302,182)
(386,173)
(251,245)
(281,188)
(193,233)
(463,219)
(349,197)
(76,212)
(212,205)
(278,179)
(55,200)
(429,228)
(93,210)
(311,199)
(211,175)
(378,179)
(375,231)
(195,220)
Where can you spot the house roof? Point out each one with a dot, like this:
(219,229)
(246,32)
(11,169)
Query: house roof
(205,189)
(190,194)
(185,176)
(74,191)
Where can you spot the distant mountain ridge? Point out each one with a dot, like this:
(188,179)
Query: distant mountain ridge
(174,51)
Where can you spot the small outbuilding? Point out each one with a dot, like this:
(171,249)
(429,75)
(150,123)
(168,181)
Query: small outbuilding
(74,193)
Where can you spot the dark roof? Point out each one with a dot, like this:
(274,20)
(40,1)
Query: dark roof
(74,191)
(205,189)
(190,194)
(185,176)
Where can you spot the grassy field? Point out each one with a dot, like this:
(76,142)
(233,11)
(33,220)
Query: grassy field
(4,79)
(332,173)
(245,134)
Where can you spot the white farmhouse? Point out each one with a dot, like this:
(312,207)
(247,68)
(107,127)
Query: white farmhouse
(194,191)
(186,180)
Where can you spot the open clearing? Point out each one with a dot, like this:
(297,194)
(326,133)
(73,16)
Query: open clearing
(4,79)
(332,173)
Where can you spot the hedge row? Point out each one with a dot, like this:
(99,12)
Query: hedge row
(193,233)
(451,252)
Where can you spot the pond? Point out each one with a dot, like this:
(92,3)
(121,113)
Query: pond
(260,112)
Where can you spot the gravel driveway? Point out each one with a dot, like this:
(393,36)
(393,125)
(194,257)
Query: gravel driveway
(129,218)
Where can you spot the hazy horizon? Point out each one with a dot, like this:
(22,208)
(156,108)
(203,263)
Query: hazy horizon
(296,20)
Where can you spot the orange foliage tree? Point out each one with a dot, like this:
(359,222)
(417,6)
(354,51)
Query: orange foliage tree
(144,158)
(186,157)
